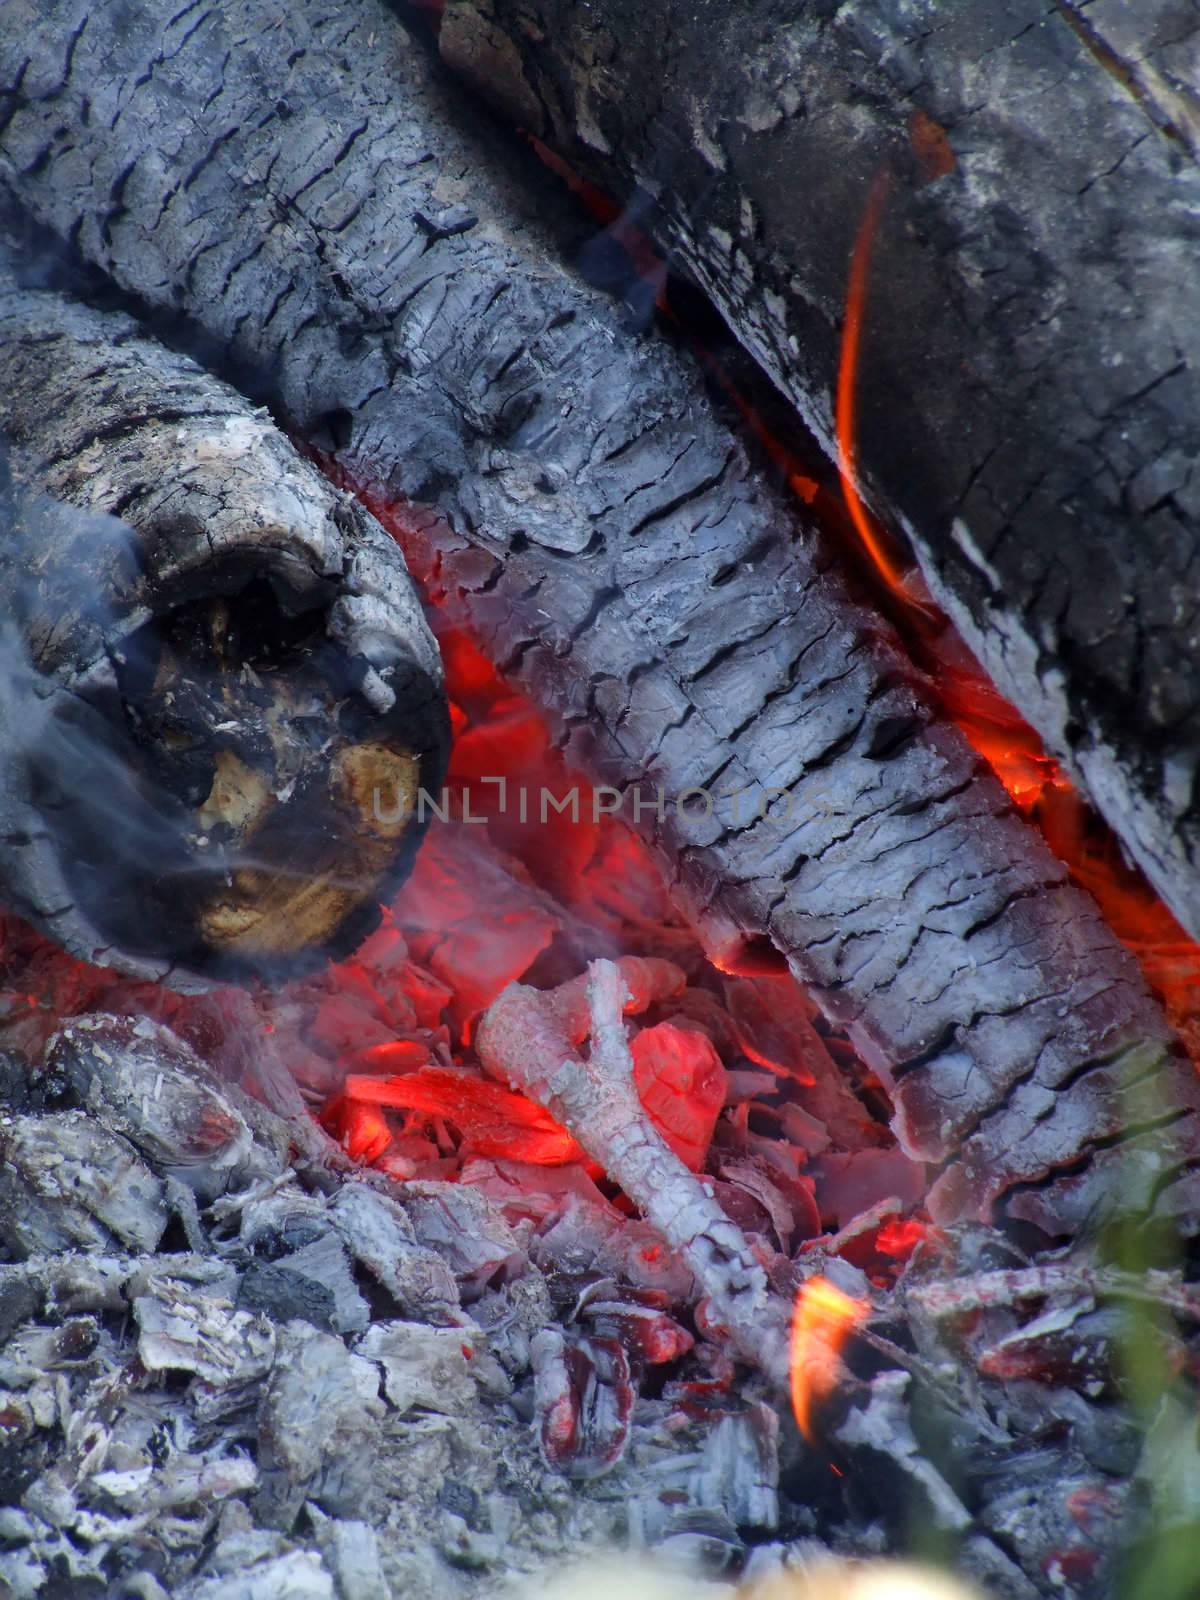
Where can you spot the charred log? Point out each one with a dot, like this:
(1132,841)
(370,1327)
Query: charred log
(204,697)
(327,213)
(1029,391)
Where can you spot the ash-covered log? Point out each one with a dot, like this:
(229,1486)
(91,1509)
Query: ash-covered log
(214,662)
(1029,384)
(296,182)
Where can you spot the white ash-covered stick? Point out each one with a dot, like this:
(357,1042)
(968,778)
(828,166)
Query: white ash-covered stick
(521,1040)
(1009,1288)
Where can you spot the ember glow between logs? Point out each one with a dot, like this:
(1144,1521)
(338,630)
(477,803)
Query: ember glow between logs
(1039,787)
(733,1069)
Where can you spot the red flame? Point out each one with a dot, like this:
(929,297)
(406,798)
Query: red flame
(823,1319)
(844,416)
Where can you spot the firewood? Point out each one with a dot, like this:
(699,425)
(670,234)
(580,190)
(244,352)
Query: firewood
(521,1040)
(207,698)
(1029,389)
(334,221)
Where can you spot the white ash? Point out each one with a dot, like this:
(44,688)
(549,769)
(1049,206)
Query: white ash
(331,1391)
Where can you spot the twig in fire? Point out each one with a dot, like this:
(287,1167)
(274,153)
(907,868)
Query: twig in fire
(522,1040)
(984,1291)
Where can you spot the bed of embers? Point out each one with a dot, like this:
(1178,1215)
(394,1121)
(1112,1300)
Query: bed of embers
(299,1300)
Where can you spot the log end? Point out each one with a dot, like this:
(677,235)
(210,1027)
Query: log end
(217,779)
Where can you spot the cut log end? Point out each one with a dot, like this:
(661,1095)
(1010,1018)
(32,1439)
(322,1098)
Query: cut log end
(294,794)
(225,703)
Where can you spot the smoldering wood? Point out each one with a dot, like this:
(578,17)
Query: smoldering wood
(160,1437)
(1029,389)
(143,1082)
(520,1040)
(205,695)
(331,217)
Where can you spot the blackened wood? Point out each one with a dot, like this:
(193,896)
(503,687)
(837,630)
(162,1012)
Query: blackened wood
(1030,381)
(294,180)
(204,696)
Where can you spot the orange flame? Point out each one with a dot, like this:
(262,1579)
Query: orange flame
(823,1319)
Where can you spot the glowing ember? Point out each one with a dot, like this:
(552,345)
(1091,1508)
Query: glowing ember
(822,1321)
(492,1120)
(1169,958)
(681,1082)
(899,1237)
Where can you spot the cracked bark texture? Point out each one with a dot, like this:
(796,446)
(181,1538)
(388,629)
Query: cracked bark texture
(296,182)
(1029,386)
(188,759)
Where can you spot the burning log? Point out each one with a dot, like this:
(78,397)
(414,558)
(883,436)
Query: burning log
(330,218)
(205,699)
(1029,390)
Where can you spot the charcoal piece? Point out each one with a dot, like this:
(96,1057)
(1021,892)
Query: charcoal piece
(739,1468)
(141,1080)
(463,1546)
(1058,530)
(66,1183)
(379,1235)
(183,1481)
(426,1368)
(602,530)
(511,1317)
(293,1575)
(23,1089)
(64,1286)
(1073,1345)
(53,1349)
(201,698)
(981,1561)
(184,1329)
(584,1396)
(276,1218)
(467,1231)
(317,1426)
(1043,1527)
(312,1285)
(648,1334)
(700,1541)
(22,1296)
(586,1239)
